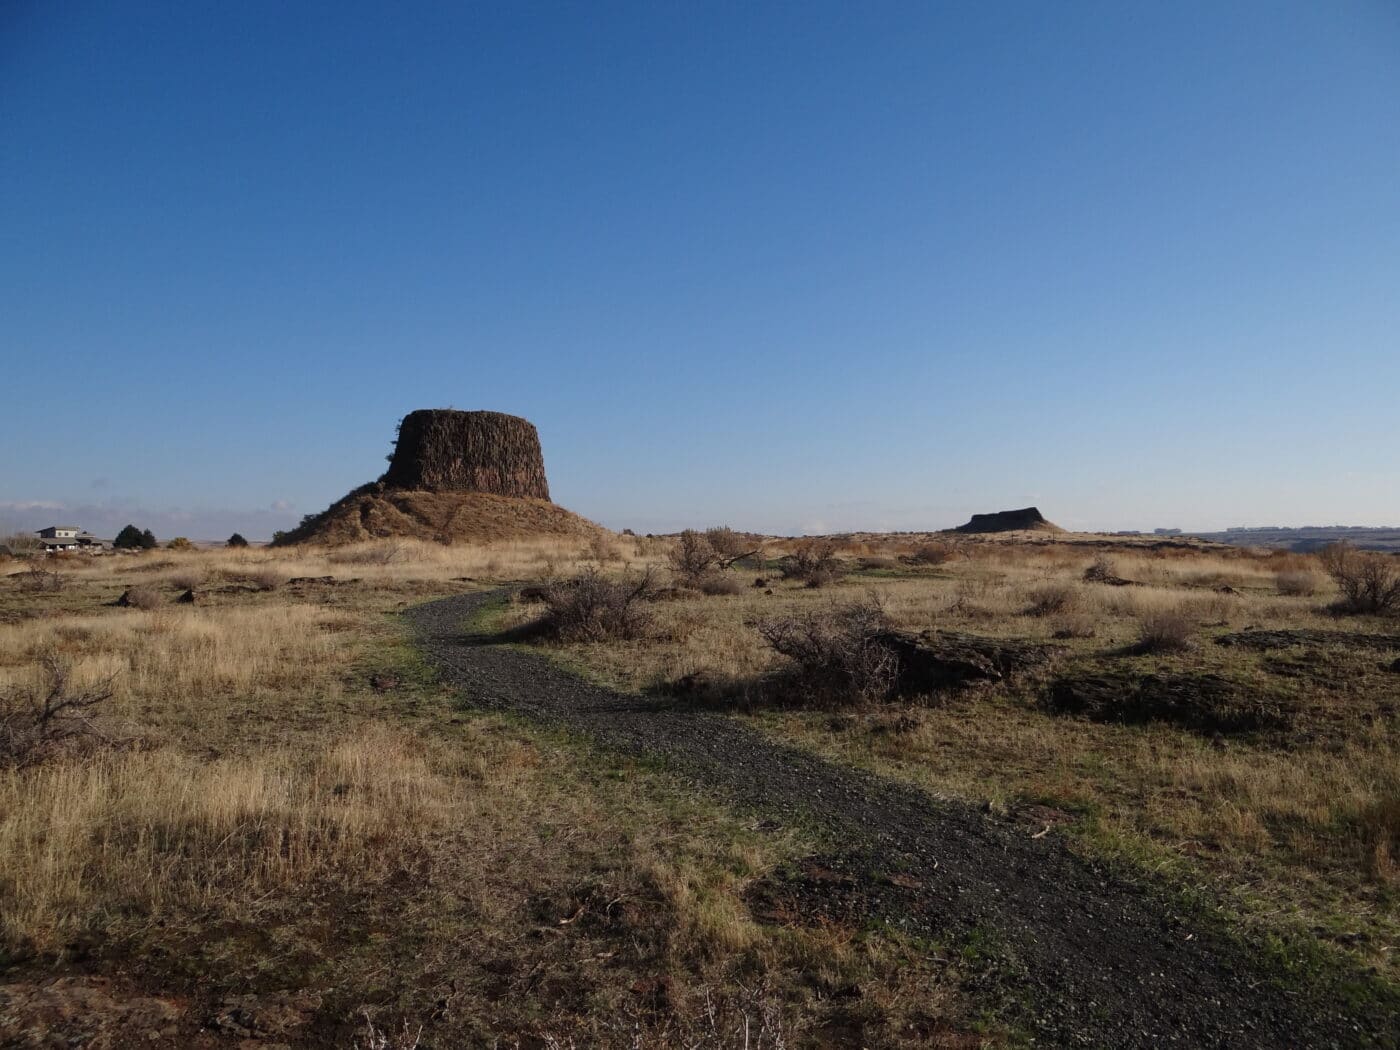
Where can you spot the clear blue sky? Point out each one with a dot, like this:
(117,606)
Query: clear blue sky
(785,266)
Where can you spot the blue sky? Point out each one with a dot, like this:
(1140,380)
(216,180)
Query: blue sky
(792,267)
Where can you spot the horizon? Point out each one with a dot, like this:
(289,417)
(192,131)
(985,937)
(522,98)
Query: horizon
(795,270)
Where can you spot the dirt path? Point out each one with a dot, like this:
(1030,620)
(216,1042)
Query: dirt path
(1099,962)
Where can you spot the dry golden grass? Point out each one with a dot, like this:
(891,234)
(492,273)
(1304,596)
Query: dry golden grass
(260,808)
(160,828)
(1305,827)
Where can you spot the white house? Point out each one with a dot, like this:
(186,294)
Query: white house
(67,538)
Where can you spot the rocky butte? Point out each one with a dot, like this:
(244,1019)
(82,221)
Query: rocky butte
(453,476)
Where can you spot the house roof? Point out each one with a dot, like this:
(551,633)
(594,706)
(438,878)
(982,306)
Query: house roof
(74,528)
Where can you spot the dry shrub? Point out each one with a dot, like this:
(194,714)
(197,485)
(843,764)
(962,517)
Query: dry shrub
(877,563)
(1165,630)
(720,584)
(141,598)
(266,579)
(601,549)
(376,554)
(1296,583)
(1369,581)
(1076,625)
(39,580)
(189,580)
(1101,570)
(836,655)
(698,557)
(692,559)
(931,554)
(592,608)
(40,722)
(180,543)
(814,563)
(728,544)
(1053,599)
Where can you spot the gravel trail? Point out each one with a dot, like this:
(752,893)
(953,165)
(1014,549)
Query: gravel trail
(1099,962)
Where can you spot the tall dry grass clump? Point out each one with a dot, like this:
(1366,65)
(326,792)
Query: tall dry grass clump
(177,661)
(1296,583)
(1168,629)
(151,829)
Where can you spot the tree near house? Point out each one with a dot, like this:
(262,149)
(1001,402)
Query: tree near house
(128,539)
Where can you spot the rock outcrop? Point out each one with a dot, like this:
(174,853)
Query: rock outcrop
(1009,521)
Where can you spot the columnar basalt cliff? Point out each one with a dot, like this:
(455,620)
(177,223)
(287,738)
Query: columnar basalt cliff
(1009,521)
(453,476)
(444,450)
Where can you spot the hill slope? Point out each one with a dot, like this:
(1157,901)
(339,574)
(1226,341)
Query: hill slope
(374,511)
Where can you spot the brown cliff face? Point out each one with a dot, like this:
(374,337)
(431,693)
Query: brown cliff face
(444,450)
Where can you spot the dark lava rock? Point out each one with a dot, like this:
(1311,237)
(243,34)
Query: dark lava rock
(939,661)
(1262,640)
(1206,703)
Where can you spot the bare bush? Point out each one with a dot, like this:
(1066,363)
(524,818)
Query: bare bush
(692,559)
(1369,581)
(931,554)
(1296,583)
(36,724)
(814,562)
(39,580)
(698,557)
(21,541)
(592,608)
(1165,631)
(837,655)
(727,543)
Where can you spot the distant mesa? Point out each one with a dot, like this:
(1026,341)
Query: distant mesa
(453,477)
(1028,518)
